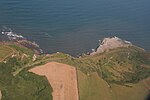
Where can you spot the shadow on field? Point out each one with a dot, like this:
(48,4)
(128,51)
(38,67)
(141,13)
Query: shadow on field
(148,97)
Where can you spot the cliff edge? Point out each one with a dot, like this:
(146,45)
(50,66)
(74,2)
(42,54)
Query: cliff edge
(111,43)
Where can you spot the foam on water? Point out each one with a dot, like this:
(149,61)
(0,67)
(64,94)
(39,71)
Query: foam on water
(10,34)
(75,26)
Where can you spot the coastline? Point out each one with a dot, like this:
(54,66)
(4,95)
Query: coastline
(25,43)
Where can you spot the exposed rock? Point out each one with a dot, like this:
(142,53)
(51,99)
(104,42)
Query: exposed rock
(13,37)
(111,43)
(31,45)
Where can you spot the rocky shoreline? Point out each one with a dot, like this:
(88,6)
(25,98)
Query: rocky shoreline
(110,43)
(13,38)
(105,45)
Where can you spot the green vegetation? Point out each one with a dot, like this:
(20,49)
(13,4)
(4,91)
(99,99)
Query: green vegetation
(121,65)
(113,75)
(95,88)
(5,52)
(22,49)
(24,85)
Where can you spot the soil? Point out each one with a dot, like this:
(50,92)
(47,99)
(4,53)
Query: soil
(62,78)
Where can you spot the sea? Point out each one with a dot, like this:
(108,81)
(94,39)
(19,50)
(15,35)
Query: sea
(76,26)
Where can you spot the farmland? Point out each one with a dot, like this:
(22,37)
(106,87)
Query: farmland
(119,74)
(94,88)
(5,51)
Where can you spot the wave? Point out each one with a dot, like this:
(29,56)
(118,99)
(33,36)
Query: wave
(10,34)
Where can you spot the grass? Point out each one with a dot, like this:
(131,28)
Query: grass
(100,77)
(5,52)
(21,49)
(121,65)
(95,88)
(134,92)
(25,85)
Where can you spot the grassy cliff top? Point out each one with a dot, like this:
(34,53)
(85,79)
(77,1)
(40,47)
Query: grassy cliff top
(121,66)
(23,85)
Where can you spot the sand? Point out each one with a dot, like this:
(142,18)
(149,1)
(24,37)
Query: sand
(62,78)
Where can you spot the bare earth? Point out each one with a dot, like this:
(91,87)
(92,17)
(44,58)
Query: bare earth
(62,78)
(0,95)
(147,83)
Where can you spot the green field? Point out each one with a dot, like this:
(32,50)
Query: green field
(5,52)
(114,75)
(137,91)
(120,66)
(94,88)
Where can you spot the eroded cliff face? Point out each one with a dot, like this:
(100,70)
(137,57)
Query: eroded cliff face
(31,45)
(111,43)
(10,36)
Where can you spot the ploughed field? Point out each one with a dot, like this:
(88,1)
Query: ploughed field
(118,74)
(62,78)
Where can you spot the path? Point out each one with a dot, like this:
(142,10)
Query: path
(11,53)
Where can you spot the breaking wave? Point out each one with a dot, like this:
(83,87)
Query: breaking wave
(10,34)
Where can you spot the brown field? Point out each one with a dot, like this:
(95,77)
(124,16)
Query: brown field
(147,83)
(0,95)
(62,78)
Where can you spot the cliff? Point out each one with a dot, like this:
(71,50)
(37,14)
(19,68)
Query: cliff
(111,43)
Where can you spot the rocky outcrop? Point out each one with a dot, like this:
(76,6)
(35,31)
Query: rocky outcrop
(10,36)
(31,45)
(111,43)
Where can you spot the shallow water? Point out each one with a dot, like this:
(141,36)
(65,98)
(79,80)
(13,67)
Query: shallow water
(75,26)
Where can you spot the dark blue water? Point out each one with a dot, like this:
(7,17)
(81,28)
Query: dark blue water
(75,26)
